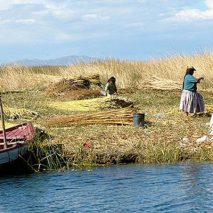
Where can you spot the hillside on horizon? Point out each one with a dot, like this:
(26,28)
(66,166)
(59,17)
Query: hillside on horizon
(62,61)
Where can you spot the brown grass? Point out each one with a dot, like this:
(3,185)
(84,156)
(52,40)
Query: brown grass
(127,73)
(161,142)
(22,78)
(137,73)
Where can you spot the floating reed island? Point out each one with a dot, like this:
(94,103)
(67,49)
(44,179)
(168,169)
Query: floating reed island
(79,128)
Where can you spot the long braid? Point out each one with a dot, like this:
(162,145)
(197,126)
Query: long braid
(187,72)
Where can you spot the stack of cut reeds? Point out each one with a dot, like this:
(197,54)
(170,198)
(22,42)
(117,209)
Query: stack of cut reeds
(92,104)
(111,117)
(75,83)
(163,84)
(78,88)
(116,102)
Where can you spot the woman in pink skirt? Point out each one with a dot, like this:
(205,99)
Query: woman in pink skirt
(191,101)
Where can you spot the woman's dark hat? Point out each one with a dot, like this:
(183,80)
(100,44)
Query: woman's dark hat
(191,68)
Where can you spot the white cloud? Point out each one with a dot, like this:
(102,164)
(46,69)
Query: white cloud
(136,24)
(25,21)
(209,4)
(195,14)
(21,21)
(60,36)
(89,17)
(5,5)
(67,20)
(59,10)
(94,16)
(141,1)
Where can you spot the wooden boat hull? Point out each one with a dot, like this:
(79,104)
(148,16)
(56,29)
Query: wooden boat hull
(11,161)
(22,132)
(18,139)
(13,152)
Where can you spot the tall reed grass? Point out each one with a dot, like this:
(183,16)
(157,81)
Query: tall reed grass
(16,78)
(128,73)
(137,73)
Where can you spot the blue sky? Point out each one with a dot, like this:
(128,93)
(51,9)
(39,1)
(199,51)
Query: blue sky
(125,29)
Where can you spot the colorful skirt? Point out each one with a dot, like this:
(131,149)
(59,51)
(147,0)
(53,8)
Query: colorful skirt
(191,102)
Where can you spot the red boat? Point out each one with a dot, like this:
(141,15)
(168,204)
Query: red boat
(14,142)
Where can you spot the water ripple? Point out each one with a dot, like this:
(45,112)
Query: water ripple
(134,188)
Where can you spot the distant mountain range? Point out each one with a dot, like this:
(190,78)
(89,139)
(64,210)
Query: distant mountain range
(63,61)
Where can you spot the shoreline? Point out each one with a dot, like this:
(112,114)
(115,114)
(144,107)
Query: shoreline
(170,136)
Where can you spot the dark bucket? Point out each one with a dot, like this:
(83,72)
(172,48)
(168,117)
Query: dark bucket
(138,119)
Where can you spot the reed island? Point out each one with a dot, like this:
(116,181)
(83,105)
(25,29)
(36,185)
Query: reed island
(77,127)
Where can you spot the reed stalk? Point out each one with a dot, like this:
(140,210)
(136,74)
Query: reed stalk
(127,73)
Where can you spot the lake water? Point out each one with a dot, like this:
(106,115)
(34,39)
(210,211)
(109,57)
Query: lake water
(132,188)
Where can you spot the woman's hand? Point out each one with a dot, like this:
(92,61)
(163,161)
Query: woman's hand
(199,79)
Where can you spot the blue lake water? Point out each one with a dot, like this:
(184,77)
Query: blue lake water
(132,188)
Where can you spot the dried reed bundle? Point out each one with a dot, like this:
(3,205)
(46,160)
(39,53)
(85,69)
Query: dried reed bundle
(116,102)
(92,104)
(69,86)
(111,117)
(163,84)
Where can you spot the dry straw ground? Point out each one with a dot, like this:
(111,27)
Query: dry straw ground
(153,86)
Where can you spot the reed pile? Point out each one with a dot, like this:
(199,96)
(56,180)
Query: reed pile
(111,117)
(116,102)
(163,84)
(77,88)
(92,104)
